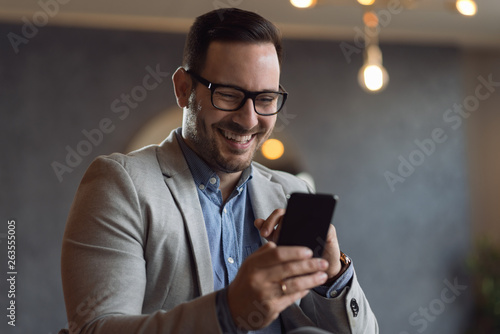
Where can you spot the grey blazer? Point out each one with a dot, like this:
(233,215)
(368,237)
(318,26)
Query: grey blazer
(135,256)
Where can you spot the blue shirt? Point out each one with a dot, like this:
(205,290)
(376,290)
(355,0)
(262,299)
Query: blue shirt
(231,233)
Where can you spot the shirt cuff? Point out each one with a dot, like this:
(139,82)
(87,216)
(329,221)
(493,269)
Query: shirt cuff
(336,288)
(226,322)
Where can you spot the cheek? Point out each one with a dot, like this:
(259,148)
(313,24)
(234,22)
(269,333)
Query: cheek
(269,122)
(204,116)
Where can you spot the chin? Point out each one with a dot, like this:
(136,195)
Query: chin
(232,165)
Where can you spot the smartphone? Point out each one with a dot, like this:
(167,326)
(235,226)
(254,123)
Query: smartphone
(306,221)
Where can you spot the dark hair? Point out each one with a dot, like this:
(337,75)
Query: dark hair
(229,25)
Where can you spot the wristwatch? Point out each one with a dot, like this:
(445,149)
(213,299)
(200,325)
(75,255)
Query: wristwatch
(346,261)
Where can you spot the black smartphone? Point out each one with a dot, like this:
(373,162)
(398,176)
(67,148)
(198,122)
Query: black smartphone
(306,221)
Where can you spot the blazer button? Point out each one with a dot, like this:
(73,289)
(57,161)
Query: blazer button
(354,307)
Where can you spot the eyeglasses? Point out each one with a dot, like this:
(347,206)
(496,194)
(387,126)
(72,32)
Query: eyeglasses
(231,98)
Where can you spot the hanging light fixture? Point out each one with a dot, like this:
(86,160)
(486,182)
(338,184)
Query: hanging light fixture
(373,76)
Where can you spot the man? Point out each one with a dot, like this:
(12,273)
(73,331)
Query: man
(173,238)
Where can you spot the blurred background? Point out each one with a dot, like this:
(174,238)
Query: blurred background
(411,146)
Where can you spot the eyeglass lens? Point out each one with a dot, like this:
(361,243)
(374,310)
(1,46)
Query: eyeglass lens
(227,98)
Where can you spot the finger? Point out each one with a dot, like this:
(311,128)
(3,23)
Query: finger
(331,237)
(258,223)
(331,247)
(273,235)
(276,230)
(296,289)
(331,252)
(268,225)
(297,268)
(270,255)
(302,283)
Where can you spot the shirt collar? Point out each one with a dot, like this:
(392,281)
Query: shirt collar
(203,175)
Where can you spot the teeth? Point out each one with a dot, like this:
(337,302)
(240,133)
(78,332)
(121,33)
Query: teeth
(236,138)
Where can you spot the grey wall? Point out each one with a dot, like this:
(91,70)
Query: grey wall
(406,242)
(482,126)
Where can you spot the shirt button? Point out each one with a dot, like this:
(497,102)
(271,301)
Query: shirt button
(225,211)
(230,260)
(201,186)
(213,180)
(333,293)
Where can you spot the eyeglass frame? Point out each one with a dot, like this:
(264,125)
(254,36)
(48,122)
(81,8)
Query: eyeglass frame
(248,94)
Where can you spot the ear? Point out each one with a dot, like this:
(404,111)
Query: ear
(182,86)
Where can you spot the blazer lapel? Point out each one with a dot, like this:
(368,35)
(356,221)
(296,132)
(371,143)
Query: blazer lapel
(266,195)
(180,182)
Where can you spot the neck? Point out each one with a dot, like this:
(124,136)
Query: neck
(228,182)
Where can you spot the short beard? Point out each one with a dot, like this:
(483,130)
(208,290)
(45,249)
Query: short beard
(196,132)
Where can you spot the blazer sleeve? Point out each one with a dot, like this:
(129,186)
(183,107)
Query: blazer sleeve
(103,265)
(349,312)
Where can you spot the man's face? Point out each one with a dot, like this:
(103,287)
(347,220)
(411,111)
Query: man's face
(227,141)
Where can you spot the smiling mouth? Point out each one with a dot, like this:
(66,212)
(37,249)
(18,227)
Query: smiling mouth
(239,139)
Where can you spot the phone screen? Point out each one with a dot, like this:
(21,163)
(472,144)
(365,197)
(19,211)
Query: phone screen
(306,221)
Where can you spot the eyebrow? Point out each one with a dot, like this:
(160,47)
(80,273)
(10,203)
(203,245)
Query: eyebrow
(246,90)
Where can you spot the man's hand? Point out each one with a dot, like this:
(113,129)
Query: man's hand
(269,281)
(270,229)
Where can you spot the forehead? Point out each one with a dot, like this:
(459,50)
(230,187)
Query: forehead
(253,66)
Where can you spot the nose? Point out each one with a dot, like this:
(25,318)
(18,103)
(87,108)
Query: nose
(246,115)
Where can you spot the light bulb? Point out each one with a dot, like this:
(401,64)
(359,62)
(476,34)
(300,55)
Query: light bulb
(366,2)
(373,78)
(466,7)
(303,3)
(273,149)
